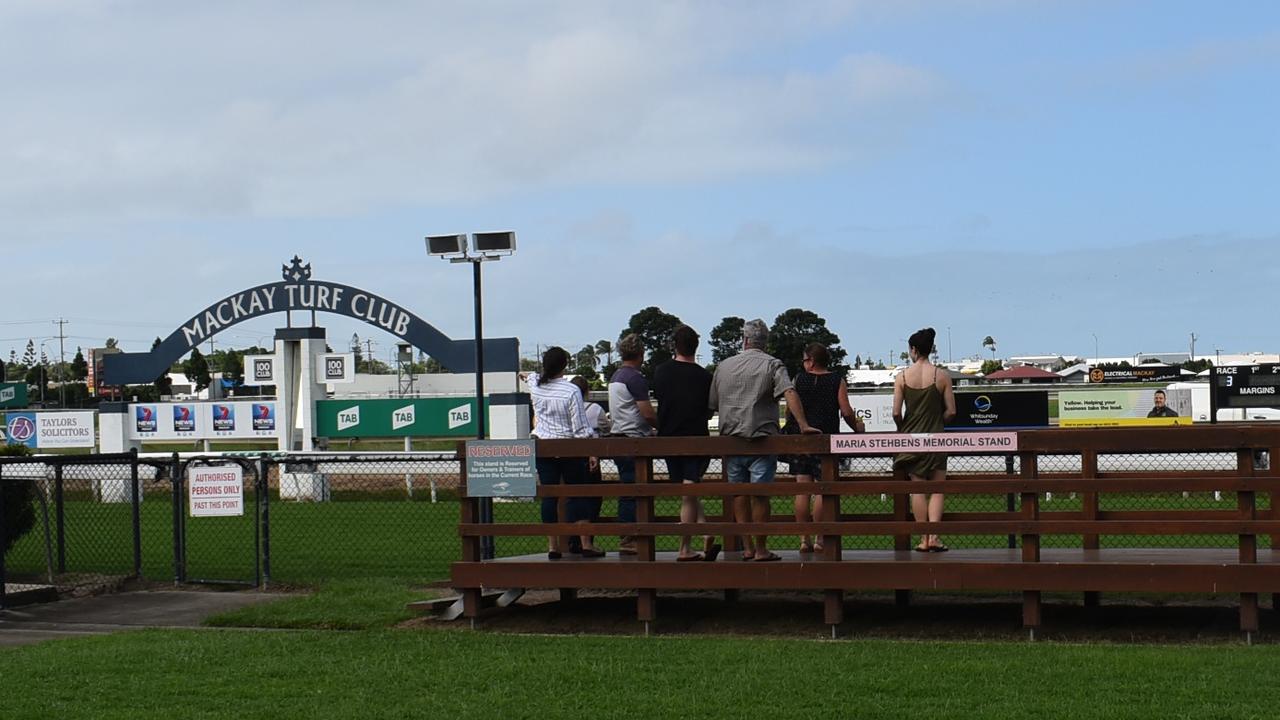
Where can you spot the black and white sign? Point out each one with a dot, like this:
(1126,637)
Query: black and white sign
(1246,386)
(336,368)
(260,370)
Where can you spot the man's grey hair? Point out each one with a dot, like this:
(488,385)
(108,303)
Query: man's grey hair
(755,334)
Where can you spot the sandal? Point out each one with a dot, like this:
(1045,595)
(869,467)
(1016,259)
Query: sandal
(938,548)
(771,557)
(806,547)
(696,557)
(923,548)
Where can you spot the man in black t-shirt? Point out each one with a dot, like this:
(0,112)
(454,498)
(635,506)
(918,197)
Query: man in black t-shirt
(681,387)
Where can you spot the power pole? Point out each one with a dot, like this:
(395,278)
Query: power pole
(62,361)
(368,354)
(1194,337)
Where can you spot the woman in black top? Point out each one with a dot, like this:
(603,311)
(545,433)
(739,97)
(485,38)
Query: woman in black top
(825,398)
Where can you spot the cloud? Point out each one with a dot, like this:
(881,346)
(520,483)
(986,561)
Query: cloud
(143,110)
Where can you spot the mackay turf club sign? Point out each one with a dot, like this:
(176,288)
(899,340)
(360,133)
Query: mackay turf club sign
(297,290)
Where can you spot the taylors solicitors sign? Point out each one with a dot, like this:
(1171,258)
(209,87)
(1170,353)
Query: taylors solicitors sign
(48,430)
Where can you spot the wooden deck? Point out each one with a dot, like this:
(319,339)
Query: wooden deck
(1245,569)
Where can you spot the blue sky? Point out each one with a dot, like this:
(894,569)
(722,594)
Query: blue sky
(1042,172)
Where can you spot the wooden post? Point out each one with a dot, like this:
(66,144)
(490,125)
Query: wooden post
(647,605)
(1090,510)
(831,544)
(1031,608)
(1273,469)
(901,542)
(470,513)
(1246,507)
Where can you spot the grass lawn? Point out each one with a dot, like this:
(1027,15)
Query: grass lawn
(371,537)
(461,674)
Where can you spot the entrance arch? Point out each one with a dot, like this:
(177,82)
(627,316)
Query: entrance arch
(298,291)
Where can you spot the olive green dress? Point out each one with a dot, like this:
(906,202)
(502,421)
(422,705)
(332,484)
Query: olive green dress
(924,408)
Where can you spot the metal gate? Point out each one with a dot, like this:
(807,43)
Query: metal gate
(217,531)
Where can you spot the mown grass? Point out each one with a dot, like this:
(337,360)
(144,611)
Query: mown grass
(339,605)
(460,674)
(367,536)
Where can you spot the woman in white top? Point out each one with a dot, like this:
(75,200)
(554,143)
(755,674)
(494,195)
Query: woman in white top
(558,413)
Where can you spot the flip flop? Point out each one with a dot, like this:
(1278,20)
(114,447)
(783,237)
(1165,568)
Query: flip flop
(938,548)
(771,557)
(806,547)
(696,557)
(748,556)
(924,548)
(713,553)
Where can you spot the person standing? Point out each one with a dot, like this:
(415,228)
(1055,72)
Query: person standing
(597,422)
(825,397)
(745,390)
(923,402)
(681,387)
(558,413)
(633,416)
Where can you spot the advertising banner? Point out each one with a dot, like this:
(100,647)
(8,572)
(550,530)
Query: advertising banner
(242,420)
(875,412)
(260,370)
(50,430)
(1141,373)
(1124,408)
(886,443)
(981,410)
(501,468)
(408,417)
(13,395)
(215,491)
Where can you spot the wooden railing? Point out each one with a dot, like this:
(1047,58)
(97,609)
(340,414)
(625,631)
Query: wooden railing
(1091,568)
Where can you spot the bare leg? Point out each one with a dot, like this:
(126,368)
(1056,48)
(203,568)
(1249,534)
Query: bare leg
(802,511)
(742,513)
(920,510)
(690,512)
(760,513)
(935,506)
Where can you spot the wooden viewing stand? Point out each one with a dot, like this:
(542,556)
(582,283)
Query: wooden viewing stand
(1091,568)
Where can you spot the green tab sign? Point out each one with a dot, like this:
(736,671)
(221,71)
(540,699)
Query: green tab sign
(408,417)
(13,395)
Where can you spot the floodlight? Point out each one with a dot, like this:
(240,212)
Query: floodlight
(495,242)
(445,245)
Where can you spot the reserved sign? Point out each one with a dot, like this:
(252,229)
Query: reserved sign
(884,443)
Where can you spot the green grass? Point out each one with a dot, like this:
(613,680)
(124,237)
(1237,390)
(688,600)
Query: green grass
(369,536)
(459,674)
(339,605)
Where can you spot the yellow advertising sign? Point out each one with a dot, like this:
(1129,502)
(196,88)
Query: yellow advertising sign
(1123,408)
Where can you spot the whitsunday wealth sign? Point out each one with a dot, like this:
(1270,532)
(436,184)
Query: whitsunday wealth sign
(298,291)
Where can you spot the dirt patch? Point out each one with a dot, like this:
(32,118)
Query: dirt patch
(929,616)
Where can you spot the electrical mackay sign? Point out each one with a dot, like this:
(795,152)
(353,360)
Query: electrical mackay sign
(408,417)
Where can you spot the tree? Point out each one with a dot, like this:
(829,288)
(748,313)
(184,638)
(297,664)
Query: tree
(1197,366)
(586,357)
(530,365)
(655,328)
(197,369)
(990,366)
(794,329)
(726,339)
(19,503)
(857,361)
(904,356)
(163,384)
(605,348)
(990,342)
(29,356)
(79,367)
(112,343)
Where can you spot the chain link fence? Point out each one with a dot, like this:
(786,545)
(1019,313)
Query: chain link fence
(96,520)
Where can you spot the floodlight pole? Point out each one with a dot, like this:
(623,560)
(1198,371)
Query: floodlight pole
(487,551)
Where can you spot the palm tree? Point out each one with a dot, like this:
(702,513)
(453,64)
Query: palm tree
(990,342)
(604,347)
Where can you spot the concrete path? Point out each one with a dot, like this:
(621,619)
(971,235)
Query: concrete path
(117,612)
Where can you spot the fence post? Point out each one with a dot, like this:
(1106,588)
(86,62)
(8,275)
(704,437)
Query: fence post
(136,502)
(264,502)
(4,529)
(1010,504)
(60,517)
(1248,542)
(1030,543)
(179,521)
(646,545)
(901,543)
(1090,507)
(832,545)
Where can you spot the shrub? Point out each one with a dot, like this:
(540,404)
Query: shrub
(19,498)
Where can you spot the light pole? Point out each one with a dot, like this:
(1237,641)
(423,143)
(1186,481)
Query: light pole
(1095,348)
(485,247)
(950,358)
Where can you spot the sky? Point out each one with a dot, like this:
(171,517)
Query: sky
(1067,177)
